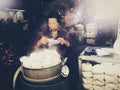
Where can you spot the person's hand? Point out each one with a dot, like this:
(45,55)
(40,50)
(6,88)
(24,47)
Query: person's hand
(63,41)
(44,40)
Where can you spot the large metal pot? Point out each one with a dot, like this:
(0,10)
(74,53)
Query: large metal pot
(43,74)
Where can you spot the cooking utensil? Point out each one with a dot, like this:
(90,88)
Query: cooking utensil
(43,74)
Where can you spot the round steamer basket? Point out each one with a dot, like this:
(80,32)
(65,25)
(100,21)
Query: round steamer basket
(43,74)
(40,75)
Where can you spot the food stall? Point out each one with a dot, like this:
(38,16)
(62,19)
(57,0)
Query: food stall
(39,71)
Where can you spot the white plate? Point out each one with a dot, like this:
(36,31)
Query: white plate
(65,71)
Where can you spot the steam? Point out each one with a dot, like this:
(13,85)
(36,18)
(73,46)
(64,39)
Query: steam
(52,42)
(107,9)
(6,3)
(96,9)
(74,14)
(41,59)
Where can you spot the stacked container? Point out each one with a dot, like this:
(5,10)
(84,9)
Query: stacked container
(100,72)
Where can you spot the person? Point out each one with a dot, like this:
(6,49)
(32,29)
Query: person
(65,45)
(55,32)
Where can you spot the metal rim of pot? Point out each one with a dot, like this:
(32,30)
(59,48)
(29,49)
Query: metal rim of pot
(21,67)
(62,63)
(27,72)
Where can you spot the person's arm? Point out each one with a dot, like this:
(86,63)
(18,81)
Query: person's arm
(40,42)
(63,41)
(37,44)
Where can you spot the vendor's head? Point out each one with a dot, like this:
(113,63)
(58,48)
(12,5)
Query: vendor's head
(54,20)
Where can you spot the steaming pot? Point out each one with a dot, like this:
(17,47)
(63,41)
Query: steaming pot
(43,74)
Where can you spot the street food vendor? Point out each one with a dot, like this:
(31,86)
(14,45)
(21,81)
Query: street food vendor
(54,31)
(65,45)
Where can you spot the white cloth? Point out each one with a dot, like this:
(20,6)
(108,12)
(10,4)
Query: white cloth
(88,86)
(97,69)
(87,80)
(111,79)
(65,71)
(116,45)
(111,86)
(98,83)
(99,87)
(87,74)
(99,77)
(87,67)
